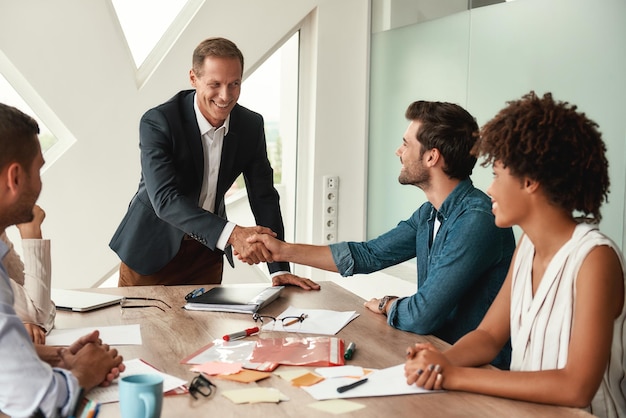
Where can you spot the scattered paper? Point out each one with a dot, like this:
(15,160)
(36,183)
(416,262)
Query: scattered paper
(336,406)
(385,382)
(340,371)
(135,366)
(111,335)
(255,395)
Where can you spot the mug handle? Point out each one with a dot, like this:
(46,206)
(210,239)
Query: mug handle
(149,401)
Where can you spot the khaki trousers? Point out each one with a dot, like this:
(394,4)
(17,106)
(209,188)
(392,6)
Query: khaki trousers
(194,264)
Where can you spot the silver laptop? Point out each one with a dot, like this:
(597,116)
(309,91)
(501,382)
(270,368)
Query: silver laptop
(79,301)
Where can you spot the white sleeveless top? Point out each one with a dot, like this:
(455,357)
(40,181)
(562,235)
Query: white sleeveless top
(541,325)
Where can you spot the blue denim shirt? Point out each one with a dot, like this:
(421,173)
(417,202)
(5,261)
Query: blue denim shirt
(458,276)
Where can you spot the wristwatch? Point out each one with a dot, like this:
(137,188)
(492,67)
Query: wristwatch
(383,303)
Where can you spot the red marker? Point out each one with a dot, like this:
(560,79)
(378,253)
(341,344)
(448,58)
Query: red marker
(241,334)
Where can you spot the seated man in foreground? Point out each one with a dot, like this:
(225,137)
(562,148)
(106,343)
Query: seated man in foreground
(28,386)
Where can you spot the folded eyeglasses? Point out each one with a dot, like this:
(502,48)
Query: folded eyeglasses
(286,321)
(124,303)
(201,385)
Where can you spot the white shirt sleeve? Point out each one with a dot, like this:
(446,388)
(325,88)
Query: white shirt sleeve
(27,382)
(32,298)
(225,235)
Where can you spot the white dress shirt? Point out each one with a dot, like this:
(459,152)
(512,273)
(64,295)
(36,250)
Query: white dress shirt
(30,281)
(212,142)
(26,382)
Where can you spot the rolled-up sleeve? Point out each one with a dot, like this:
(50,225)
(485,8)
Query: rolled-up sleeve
(389,249)
(343,258)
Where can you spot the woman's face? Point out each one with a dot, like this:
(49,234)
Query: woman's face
(508,202)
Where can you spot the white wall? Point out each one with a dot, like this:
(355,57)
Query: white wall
(74,56)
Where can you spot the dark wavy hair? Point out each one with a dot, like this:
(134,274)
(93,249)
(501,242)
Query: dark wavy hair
(550,142)
(449,128)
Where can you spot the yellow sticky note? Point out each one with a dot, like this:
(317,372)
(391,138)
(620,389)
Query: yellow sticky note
(336,406)
(254,395)
(290,373)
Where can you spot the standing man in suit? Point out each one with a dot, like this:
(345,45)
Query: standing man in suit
(193,147)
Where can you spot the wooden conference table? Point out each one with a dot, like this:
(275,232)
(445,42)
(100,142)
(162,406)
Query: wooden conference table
(168,337)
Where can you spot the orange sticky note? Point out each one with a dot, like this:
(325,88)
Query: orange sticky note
(245,376)
(307,379)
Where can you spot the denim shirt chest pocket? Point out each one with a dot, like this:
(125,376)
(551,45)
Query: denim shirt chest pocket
(438,244)
(434,252)
(425,250)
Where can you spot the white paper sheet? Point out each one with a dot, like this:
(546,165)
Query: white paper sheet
(318,321)
(384,382)
(340,371)
(111,335)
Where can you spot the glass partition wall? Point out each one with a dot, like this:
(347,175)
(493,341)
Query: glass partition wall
(481,57)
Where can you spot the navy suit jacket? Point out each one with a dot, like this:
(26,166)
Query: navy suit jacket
(165,207)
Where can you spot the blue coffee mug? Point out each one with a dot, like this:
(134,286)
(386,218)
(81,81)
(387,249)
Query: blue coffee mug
(141,396)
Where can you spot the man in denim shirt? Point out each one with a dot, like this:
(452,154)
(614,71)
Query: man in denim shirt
(462,256)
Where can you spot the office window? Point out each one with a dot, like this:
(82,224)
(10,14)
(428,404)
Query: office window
(151,29)
(12,98)
(144,22)
(272,91)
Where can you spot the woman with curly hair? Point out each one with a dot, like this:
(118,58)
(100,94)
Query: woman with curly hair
(563,301)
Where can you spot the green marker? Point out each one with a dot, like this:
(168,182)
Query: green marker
(349,351)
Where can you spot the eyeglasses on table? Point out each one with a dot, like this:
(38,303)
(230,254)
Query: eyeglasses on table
(286,322)
(201,385)
(127,302)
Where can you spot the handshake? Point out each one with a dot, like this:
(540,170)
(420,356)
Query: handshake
(253,245)
(258,244)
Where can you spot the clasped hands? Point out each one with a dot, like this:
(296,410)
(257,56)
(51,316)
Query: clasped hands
(255,244)
(425,366)
(91,361)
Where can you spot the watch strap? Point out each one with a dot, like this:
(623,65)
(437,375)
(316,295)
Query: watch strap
(383,303)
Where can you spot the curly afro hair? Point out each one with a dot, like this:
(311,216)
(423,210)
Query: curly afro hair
(551,143)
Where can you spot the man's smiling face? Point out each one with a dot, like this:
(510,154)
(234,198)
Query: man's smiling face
(218,86)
